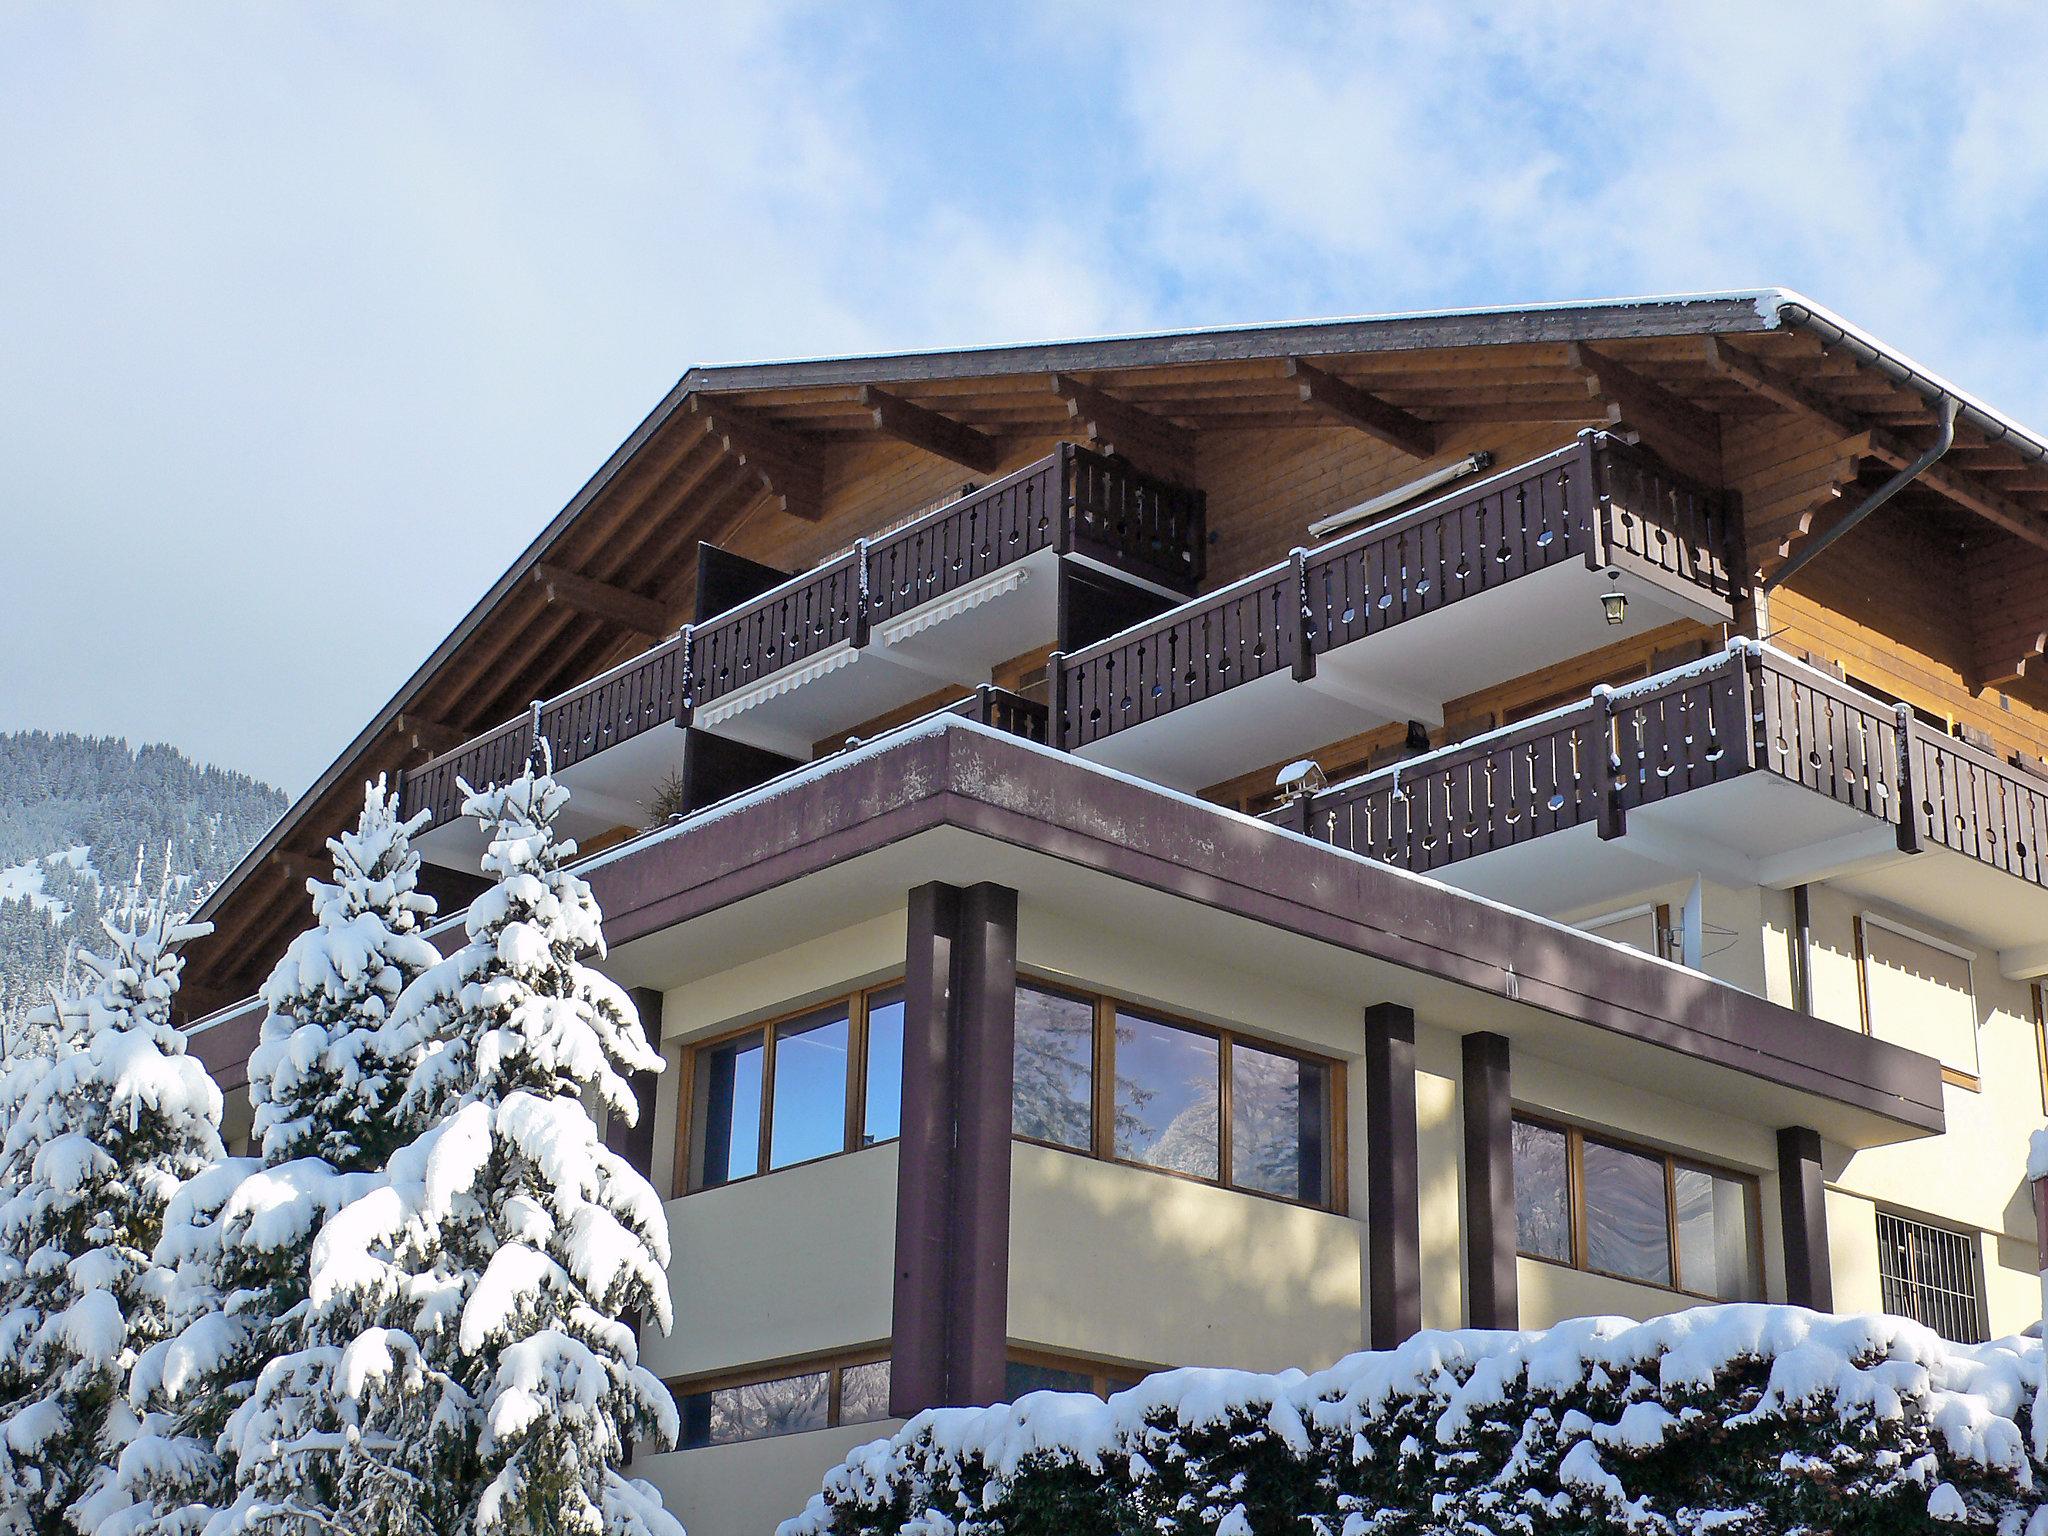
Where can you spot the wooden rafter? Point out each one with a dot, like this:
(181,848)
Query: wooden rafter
(1643,403)
(786,463)
(1959,486)
(628,610)
(1368,413)
(1108,420)
(432,737)
(299,867)
(940,436)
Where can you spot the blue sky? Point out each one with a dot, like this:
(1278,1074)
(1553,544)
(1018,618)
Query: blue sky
(310,316)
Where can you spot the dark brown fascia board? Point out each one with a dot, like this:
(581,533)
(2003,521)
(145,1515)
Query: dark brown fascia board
(958,775)
(1620,320)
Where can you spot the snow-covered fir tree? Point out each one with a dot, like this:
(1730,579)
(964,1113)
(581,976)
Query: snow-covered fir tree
(104,1139)
(489,1382)
(240,1415)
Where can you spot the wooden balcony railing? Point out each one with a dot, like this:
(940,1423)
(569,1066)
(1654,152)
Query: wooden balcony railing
(1073,500)
(1597,500)
(636,695)
(1743,711)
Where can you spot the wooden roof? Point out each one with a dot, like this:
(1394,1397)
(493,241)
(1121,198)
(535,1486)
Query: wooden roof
(614,570)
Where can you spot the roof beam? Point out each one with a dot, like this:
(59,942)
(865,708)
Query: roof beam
(1108,420)
(785,462)
(433,737)
(628,610)
(1644,403)
(940,436)
(1957,485)
(1347,403)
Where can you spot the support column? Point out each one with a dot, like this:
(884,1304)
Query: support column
(951,1314)
(635,1142)
(1393,1200)
(1803,1216)
(1490,1287)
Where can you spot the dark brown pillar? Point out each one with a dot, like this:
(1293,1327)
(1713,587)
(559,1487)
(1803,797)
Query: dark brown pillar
(951,1317)
(1393,1201)
(635,1142)
(1803,1213)
(1490,1296)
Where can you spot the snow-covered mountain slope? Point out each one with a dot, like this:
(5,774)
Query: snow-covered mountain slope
(75,813)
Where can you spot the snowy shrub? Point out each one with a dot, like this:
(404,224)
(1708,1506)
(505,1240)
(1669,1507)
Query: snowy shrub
(104,1138)
(1737,1420)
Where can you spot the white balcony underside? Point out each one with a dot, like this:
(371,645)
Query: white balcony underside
(1405,672)
(949,644)
(1764,830)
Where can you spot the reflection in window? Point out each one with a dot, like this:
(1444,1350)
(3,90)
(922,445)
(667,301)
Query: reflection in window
(1602,1206)
(864,1392)
(1543,1209)
(883,1115)
(785,1405)
(1713,1233)
(1167,1083)
(1276,1131)
(809,1118)
(1628,1231)
(1052,1094)
(757,1411)
(729,1077)
(1022,1376)
(1055,1375)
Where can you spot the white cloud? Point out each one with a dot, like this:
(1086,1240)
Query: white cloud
(293,291)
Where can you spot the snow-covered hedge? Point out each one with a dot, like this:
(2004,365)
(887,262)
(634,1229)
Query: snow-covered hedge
(1737,1420)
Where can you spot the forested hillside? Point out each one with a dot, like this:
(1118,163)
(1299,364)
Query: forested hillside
(75,811)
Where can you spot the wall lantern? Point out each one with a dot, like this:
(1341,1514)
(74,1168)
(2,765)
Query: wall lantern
(1614,601)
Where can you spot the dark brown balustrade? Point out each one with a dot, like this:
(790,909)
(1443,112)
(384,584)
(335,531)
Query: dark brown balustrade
(1072,500)
(1747,710)
(1598,500)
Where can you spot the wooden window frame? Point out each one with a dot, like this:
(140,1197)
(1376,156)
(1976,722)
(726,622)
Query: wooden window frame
(1576,1137)
(1659,913)
(856,1004)
(832,1366)
(1955,1077)
(1102,1095)
(1100,1372)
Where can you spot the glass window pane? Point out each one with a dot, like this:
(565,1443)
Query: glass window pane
(729,1088)
(1052,1099)
(1167,1082)
(1020,1378)
(1276,1123)
(809,1119)
(1713,1234)
(768,1408)
(1626,1228)
(1543,1209)
(864,1393)
(883,1114)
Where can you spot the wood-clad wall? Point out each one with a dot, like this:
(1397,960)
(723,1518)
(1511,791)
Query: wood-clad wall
(1892,603)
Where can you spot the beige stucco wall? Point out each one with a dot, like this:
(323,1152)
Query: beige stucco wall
(1974,1175)
(795,1262)
(747,1489)
(1131,1265)
(1549,1293)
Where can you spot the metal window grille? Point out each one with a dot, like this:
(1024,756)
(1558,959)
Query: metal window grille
(1930,1275)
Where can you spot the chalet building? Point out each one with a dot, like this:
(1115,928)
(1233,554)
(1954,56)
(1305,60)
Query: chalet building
(1229,847)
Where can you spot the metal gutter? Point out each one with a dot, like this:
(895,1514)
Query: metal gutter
(1793,310)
